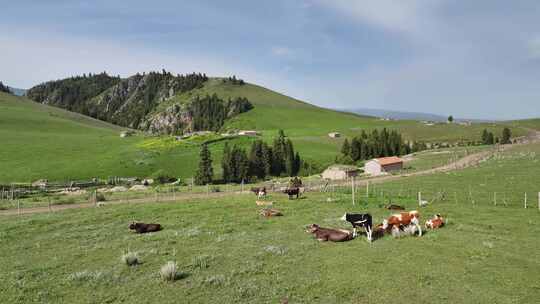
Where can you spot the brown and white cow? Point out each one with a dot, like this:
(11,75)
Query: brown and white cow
(404,219)
(328,234)
(434,223)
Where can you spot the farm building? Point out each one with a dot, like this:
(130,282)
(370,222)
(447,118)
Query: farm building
(128,133)
(383,165)
(340,172)
(248,133)
(334,135)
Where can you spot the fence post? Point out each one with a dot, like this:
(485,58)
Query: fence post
(367,189)
(525,200)
(495,198)
(242,186)
(352,186)
(419,198)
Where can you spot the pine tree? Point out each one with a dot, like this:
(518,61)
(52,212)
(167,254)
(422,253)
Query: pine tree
(506,136)
(346,147)
(490,139)
(485,136)
(355,149)
(289,158)
(257,166)
(225,163)
(205,172)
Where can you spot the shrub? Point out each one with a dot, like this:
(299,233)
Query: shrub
(130,258)
(169,272)
(277,250)
(215,280)
(162,177)
(200,262)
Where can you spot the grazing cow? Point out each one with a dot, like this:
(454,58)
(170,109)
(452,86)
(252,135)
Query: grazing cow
(436,222)
(327,234)
(292,192)
(260,192)
(360,220)
(403,219)
(394,207)
(143,228)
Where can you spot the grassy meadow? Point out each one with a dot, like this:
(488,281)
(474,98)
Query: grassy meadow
(42,142)
(227,253)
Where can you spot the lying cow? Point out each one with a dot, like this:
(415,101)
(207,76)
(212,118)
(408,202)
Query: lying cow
(260,192)
(394,207)
(270,212)
(402,219)
(292,192)
(327,234)
(143,228)
(436,222)
(360,220)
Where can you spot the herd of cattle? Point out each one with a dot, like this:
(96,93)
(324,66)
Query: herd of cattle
(398,224)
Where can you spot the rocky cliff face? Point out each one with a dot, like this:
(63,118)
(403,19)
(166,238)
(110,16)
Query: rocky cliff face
(134,102)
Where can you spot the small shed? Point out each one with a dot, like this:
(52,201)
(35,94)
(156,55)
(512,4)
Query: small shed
(334,135)
(128,133)
(378,166)
(340,172)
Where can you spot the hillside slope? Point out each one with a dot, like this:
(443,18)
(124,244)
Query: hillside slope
(40,141)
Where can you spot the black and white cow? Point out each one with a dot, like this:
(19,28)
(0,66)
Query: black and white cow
(360,220)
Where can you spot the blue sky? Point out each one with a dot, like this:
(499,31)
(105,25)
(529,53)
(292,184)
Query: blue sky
(475,59)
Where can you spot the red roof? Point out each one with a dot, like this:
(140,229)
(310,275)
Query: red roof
(385,161)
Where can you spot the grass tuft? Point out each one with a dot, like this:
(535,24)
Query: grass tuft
(201,261)
(169,272)
(277,250)
(130,258)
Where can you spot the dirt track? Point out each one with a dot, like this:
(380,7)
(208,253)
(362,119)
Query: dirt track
(465,162)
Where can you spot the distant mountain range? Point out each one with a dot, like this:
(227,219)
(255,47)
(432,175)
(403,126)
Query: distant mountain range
(17,91)
(402,115)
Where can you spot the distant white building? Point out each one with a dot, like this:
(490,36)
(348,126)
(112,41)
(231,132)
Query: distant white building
(248,133)
(334,135)
(128,133)
(378,166)
(340,172)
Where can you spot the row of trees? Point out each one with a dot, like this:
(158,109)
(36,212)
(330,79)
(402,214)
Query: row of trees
(378,144)
(4,88)
(210,112)
(489,139)
(234,80)
(262,160)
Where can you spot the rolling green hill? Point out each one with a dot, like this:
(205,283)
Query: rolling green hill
(40,141)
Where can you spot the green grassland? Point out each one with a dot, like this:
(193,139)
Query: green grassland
(38,141)
(486,253)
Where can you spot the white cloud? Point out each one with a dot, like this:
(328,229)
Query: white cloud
(394,15)
(534,48)
(40,57)
(281,51)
